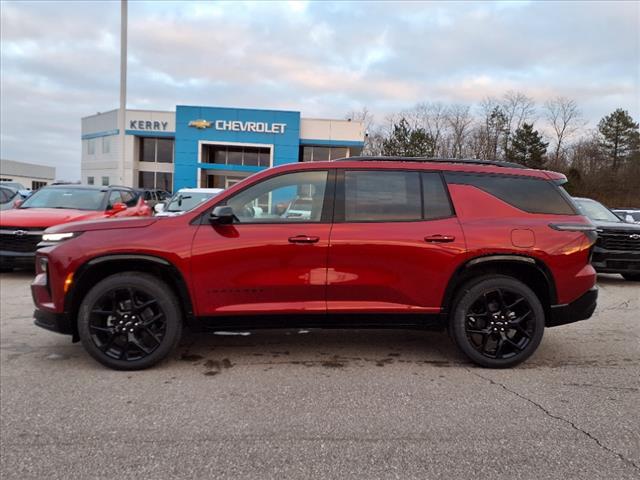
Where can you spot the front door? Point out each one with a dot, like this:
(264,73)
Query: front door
(272,259)
(393,244)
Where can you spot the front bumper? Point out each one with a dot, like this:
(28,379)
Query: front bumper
(579,309)
(55,322)
(615,261)
(9,259)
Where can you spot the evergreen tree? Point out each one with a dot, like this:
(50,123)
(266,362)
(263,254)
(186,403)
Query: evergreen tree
(408,142)
(620,136)
(527,147)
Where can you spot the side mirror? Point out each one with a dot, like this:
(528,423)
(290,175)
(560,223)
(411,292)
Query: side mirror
(159,207)
(222,215)
(117,208)
(17,203)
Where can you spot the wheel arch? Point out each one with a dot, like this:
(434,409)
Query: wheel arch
(531,271)
(98,268)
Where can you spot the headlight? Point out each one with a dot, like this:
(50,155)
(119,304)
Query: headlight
(58,237)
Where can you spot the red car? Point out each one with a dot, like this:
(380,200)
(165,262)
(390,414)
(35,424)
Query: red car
(492,252)
(21,228)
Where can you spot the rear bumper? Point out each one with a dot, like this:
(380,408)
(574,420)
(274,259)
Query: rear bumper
(579,309)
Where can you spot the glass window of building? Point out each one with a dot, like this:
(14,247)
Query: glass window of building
(154,149)
(164,152)
(231,155)
(91,146)
(164,181)
(90,180)
(146,180)
(106,144)
(105,181)
(35,185)
(315,153)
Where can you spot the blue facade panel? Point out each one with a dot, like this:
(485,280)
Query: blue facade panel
(232,125)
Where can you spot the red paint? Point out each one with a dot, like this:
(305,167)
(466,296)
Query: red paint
(341,267)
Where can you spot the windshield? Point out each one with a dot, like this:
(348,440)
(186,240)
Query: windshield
(596,211)
(184,201)
(72,198)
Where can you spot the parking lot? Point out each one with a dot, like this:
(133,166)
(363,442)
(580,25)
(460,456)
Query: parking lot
(324,404)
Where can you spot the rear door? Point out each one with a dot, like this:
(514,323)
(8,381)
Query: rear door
(394,242)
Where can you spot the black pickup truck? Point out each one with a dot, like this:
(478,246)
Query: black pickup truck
(617,249)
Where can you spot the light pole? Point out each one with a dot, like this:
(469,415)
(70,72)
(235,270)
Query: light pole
(122,112)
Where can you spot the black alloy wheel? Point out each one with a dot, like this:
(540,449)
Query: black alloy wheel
(497,322)
(129,321)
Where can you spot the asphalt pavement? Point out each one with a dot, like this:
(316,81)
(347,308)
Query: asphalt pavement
(324,404)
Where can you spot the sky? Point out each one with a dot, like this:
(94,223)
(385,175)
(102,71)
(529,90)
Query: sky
(59,61)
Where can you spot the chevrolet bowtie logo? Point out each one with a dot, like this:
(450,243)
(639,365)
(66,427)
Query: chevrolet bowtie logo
(200,124)
(634,236)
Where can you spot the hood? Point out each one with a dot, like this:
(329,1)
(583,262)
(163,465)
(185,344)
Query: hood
(106,224)
(622,226)
(44,217)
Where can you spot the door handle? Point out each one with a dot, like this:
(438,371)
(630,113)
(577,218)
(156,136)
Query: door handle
(439,238)
(303,239)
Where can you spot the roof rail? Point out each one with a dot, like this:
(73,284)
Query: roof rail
(471,161)
(120,186)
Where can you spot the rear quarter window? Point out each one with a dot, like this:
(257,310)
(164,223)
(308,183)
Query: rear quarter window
(533,195)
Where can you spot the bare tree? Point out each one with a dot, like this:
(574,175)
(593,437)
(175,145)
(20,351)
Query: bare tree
(518,108)
(565,118)
(459,120)
(432,117)
(372,137)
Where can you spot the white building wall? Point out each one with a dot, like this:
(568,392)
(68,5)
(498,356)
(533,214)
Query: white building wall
(336,130)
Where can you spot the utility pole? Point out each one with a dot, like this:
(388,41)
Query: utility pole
(122,113)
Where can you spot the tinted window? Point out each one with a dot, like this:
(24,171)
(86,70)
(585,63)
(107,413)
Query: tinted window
(129,198)
(114,197)
(595,211)
(76,198)
(293,197)
(383,196)
(435,198)
(532,195)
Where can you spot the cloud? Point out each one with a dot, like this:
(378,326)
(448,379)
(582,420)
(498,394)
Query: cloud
(60,60)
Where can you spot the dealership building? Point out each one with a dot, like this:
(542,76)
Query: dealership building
(207,146)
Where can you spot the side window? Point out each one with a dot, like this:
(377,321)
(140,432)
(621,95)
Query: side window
(114,197)
(382,196)
(129,198)
(293,197)
(533,195)
(4,195)
(434,197)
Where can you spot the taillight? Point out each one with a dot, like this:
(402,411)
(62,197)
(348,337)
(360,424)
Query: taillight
(589,229)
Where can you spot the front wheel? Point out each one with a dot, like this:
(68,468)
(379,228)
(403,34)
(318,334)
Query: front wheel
(130,321)
(497,321)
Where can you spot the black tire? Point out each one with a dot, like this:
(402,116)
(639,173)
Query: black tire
(130,321)
(632,277)
(489,328)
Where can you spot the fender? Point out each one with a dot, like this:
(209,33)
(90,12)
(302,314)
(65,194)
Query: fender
(461,273)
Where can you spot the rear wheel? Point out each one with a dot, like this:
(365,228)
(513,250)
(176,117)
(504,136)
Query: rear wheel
(632,277)
(497,321)
(130,321)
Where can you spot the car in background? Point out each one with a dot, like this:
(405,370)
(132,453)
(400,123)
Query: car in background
(21,228)
(630,215)
(8,195)
(617,249)
(153,197)
(184,200)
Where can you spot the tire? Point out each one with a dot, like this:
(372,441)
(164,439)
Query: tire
(632,277)
(130,321)
(517,328)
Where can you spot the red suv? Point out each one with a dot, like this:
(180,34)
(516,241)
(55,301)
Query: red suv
(492,251)
(21,228)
